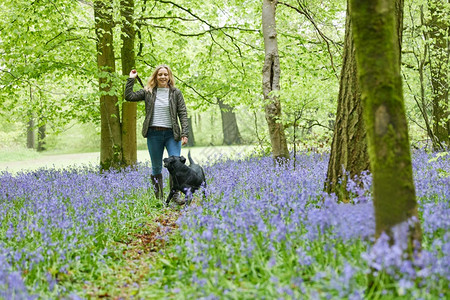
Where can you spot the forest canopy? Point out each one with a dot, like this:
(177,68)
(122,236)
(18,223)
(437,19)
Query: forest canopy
(49,72)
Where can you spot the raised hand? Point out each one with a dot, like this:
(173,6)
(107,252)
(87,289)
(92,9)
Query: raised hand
(133,74)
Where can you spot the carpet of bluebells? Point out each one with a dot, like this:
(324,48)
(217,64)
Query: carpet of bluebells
(263,232)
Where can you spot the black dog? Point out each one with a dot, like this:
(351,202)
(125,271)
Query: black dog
(186,179)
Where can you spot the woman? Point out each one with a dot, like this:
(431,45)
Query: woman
(164,107)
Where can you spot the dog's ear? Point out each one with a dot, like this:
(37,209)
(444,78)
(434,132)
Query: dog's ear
(183,159)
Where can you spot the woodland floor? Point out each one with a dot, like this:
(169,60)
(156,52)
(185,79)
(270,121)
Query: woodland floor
(120,283)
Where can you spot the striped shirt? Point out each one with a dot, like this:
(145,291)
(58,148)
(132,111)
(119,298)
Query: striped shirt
(161,113)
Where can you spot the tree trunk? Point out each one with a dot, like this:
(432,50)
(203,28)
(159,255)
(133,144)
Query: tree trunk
(230,128)
(129,141)
(376,39)
(111,144)
(438,29)
(41,138)
(191,137)
(348,156)
(30,126)
(423,103)
(271,82)
(30,132)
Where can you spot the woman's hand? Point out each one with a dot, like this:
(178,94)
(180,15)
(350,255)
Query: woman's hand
(133,74)
(184,140)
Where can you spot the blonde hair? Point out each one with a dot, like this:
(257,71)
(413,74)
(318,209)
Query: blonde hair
(151,83)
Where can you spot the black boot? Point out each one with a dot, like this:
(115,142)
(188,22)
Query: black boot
(157,181)
(176,197)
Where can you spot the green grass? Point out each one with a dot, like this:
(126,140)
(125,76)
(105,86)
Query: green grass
(18,154)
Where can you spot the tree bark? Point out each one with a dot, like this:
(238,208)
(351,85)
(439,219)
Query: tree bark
(348,155)
(438,28)
(271,82)
(41,138)
(30,132)
(30,125)
(191,137)
(129,109)
(111,143)
(230,128)
(376,39)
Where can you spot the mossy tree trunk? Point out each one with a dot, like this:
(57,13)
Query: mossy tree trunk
(376,39)
(111,142)
(271,82)
(438,35)
(348,153)
(129,109)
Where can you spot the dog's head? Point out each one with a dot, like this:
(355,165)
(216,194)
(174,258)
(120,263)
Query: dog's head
(172,161)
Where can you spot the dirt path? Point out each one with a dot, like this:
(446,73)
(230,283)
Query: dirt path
(125,281)
(199,154)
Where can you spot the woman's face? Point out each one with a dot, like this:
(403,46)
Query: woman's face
(162,77)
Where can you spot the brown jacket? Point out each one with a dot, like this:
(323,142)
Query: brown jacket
(176,105)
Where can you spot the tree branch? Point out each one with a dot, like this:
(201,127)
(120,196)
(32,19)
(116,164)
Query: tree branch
(188,85)
(304,11)
(316,123)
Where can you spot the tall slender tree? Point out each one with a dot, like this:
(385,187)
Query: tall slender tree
(438,38)
(271,81)
(377,49)
(111,140)
(30,125)
(129,142)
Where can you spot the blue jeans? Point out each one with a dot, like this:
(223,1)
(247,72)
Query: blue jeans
(156,141)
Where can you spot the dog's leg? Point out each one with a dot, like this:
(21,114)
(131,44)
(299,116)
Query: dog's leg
(172,192)
(203,187)
(176,195)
